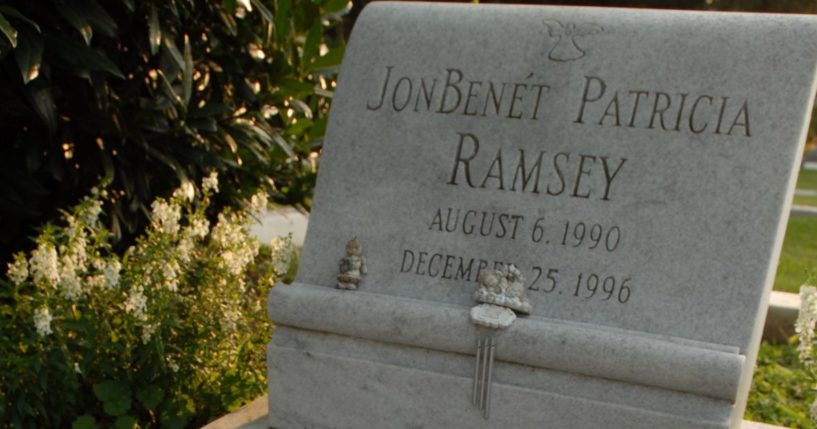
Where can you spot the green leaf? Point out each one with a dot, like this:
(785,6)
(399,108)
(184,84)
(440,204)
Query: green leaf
(14,13)
(283,144)
(125,422)
(150,396)
(229,22)
(313,40)
(318,129)
(99,18)
(264,11)
(203,124)
(83,56)
(302,107)
(331,60)
(8,30)
(177,56)
(154,30)
(170,91)
(295,88)
(229,6)
(299,127)
(213,108)
(187,72)
(282,20)
(43,104)
(109,390)
(29,54)
(174,422)
(85,421)
(73,13)
(115,397)
(334,6)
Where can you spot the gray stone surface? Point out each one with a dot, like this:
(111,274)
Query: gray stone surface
(255,417)
(649,231)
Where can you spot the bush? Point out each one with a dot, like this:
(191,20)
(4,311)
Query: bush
(153,93)
(170,334)
(781,388)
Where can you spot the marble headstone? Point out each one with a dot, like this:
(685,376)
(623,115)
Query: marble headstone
(637,166)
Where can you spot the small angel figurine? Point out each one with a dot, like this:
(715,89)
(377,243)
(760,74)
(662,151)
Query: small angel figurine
(352,266)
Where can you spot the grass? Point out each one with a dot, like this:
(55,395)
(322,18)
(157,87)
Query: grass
(805,201)
(807,179)
(798,261)
(781,388)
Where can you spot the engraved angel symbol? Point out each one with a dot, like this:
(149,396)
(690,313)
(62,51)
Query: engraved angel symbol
(566,47)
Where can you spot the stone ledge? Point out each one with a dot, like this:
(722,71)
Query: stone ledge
(783,309)
(254,416)
(639,358)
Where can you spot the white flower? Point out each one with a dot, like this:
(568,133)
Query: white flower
(281,254)
(42,321)
(199,227)
(258,202)
(90,214)
(147,333)
(232,262)
(18,270)
(806,320)
(95,281)
(70,285)
(171,363)
(170,272)
(185,248)
(76,368)
(210,183)
(185,192)
(165,216)
(137,303)
(229,232)
(111,273)
(77,251)
(813,411)
(229,320)
(44,266)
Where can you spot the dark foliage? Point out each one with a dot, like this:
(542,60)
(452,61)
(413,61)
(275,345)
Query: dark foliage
(145,94)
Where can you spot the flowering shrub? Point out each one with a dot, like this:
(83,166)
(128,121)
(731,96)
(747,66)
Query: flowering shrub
(806,321)
(170,334)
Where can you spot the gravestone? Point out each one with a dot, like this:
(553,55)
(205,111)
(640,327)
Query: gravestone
(637,167)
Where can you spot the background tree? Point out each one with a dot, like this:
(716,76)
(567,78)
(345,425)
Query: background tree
(147,94)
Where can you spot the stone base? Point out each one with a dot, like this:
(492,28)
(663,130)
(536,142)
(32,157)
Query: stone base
(326,380)
(254,416)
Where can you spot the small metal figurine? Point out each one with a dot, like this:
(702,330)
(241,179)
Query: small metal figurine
(499,291)
(352,266)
